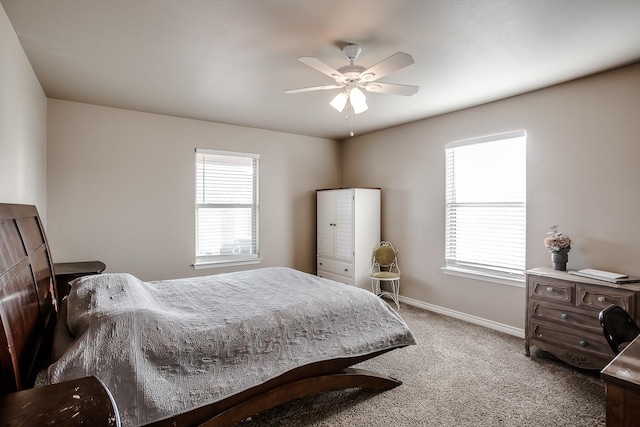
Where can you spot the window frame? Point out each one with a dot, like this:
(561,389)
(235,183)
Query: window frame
(487,272)
(212,261)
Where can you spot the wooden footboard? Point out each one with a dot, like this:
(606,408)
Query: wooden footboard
(348,378)
(304,381)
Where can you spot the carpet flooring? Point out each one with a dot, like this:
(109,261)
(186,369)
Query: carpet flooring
(459,374)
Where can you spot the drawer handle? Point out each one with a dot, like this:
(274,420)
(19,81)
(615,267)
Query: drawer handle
(565,316)
(582,343)
(601,299)
(346,270)
(549,289)
(320,263)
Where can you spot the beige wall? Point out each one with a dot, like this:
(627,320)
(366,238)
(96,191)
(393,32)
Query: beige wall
(23,121)
(121,188)
(583,174)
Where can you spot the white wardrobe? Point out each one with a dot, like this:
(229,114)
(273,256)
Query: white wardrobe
(348,230)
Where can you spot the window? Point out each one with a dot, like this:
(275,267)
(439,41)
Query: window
(226,208)
(486,207)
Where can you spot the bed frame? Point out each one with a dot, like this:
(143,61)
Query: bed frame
(27,296)
(28,313)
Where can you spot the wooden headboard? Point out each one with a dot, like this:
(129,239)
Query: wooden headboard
(27,296)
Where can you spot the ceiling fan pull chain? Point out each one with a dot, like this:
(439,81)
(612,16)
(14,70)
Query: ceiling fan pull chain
(350,116)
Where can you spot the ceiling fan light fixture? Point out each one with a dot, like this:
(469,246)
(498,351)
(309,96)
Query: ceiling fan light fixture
(339,101)
(351,79)
(358,101)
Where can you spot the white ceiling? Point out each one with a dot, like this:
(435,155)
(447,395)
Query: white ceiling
(229,61)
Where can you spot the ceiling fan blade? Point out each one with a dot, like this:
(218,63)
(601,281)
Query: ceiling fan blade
(392,88)
(387,66)
(323,68)
(310,89)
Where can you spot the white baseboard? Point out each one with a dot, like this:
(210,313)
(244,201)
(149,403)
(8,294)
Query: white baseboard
(466,317)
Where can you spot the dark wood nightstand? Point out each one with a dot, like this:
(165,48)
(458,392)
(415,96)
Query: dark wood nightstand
(85,401)
(67,271)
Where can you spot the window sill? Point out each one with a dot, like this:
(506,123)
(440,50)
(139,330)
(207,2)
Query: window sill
(487,277)
(225,263)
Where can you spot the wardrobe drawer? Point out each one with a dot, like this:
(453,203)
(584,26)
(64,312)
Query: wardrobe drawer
(564,315)
(336,278)
(551,290)
(599,297)
(335,267)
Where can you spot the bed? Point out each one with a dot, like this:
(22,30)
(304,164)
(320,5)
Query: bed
(171,357)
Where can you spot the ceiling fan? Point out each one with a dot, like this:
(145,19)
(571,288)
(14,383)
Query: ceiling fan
(353,78)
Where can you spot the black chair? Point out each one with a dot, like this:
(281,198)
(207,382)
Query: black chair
(618,327)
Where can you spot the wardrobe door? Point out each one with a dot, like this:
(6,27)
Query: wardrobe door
(343,202)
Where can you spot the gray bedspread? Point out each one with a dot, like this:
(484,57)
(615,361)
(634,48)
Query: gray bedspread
(165,347)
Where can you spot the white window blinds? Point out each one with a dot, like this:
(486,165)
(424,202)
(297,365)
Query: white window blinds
(486,205)
(226,207)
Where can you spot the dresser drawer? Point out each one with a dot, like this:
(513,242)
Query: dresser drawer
(336,267)
(585,342)
(551,289)
(564,315)
(576,358)
(599,297)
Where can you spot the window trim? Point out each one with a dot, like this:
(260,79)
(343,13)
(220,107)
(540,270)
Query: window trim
(216,261)
(460,269)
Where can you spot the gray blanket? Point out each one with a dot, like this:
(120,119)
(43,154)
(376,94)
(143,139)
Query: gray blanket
(165,347)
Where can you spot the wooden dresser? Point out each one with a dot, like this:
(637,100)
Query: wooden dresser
(562,315)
